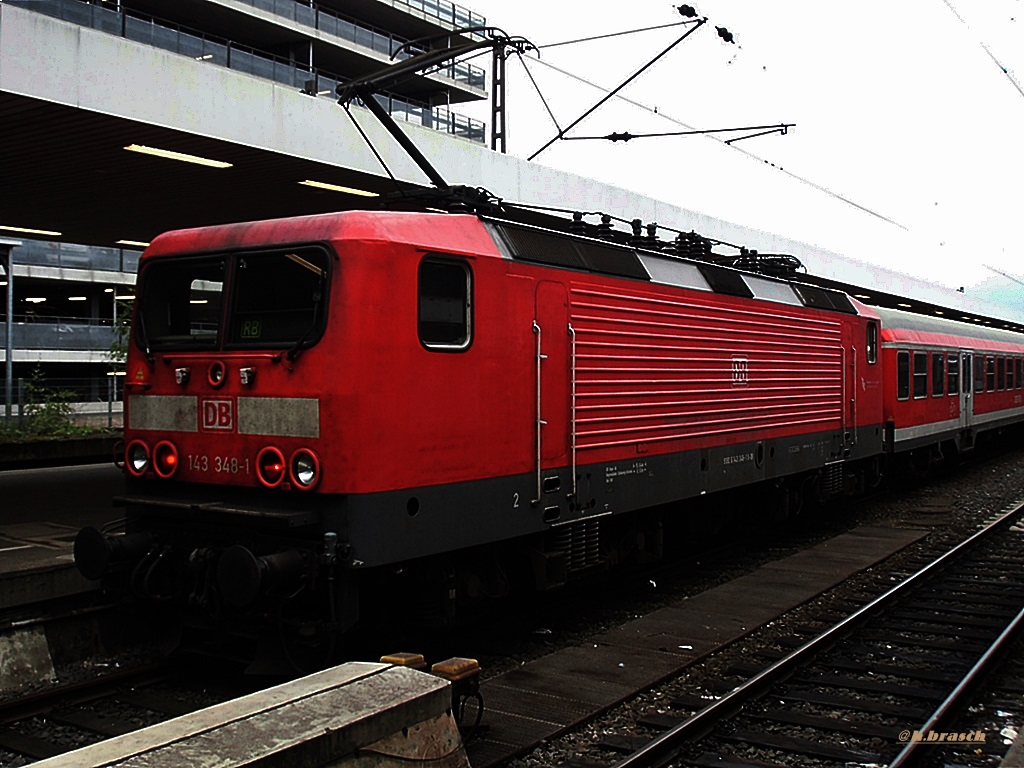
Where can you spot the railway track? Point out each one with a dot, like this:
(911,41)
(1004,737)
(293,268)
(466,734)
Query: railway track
(115,701)
(879,687)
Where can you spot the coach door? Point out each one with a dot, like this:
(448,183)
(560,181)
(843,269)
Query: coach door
(554,373)
(966,391)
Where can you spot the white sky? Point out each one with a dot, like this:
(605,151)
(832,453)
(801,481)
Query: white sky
(898,107)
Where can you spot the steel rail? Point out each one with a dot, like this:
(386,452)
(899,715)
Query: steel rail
(664,749)
(965,687)
(86,689)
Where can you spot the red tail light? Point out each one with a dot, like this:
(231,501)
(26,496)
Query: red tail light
(271,468)
(137,458)
(165,459)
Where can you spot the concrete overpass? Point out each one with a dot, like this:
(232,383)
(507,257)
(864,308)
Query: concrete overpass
(73,97)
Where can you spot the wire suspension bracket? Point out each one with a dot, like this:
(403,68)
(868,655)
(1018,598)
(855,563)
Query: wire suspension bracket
(365,88)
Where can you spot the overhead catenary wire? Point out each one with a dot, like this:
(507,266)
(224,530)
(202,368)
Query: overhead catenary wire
(1004,274)
(749,154)
(996,61)
(696,25)
(626,136)
(613,34)
(540,93)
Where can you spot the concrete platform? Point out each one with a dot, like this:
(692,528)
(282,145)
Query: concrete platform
(37,564)
(357,715)
(550,695)
(41,511)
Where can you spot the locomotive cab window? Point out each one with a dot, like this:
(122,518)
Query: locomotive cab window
(920,375)
(938,374)
(181,306)
(902,375)
(872,343)
(279,298)
(445,304)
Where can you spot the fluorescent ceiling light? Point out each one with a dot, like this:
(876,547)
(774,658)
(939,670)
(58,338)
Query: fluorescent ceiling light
(76,298)
(4,282)
(124,298)
(905,306)
(30,231)
(338,188)
(35,300)
(204,57)
(861,296)
(939,312)
(139,243)
(177,156)
(198,301)
(108,290)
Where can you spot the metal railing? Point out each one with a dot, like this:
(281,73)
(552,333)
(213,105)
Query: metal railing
(96,400)
(173,37)
(455,15)
(350,29)
(76,334)
(47,253)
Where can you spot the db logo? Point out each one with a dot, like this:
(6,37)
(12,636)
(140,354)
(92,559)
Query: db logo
(740,371)
(217,415)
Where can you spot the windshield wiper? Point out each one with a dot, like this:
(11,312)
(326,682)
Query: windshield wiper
(144,338)
(299,345)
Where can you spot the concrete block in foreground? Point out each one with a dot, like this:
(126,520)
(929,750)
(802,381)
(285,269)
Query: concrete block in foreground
(356,715)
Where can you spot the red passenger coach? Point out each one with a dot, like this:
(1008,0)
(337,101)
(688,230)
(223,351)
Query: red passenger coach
(948,382)
(443,406)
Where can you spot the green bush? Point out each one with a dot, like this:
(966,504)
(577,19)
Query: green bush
(47,410)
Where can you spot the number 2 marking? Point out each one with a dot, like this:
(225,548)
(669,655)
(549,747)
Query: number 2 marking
(515,501)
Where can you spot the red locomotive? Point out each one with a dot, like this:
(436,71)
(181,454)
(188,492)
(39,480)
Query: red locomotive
(442,406)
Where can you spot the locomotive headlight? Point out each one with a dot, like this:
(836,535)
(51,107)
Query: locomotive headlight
(305,469)
(137,456)
(271,467)
(165,459)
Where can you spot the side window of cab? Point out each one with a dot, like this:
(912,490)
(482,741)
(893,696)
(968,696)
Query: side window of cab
(445,311)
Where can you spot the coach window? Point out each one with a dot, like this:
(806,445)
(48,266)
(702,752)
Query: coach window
(979,373)
(1001,372)
(445,304)
(1020,372)
(1009,373)
(990,374)
(902,375)
(938,374)
(953,379)
(872,342)
(920,375)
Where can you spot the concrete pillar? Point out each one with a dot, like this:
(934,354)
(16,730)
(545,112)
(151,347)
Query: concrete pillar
(7,262)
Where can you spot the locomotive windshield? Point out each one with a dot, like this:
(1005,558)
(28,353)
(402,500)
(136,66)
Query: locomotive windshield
(266,299)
